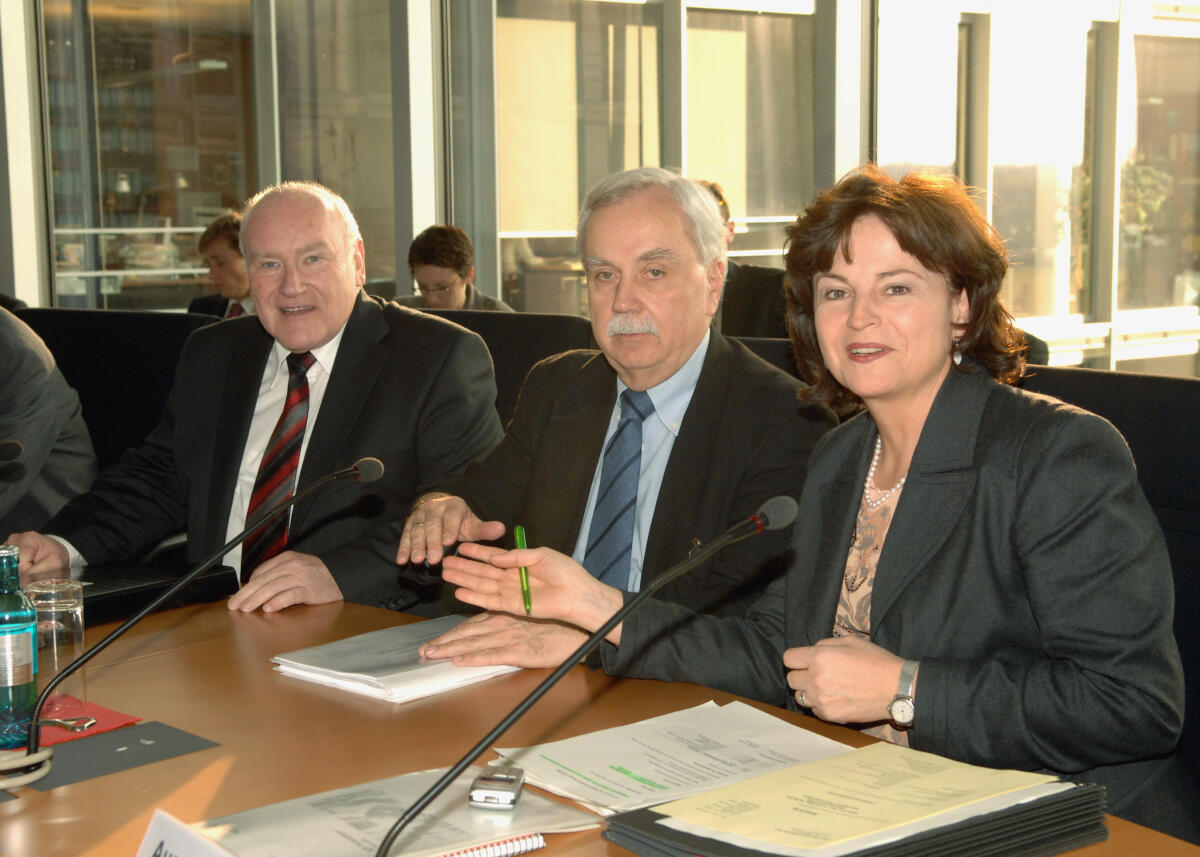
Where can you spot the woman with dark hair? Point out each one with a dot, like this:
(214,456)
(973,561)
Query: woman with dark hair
(442,262)
(932,219)
(977,572)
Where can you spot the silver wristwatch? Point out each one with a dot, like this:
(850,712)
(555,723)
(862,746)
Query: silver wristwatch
(901,708)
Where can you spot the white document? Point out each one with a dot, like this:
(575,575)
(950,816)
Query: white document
(669,757)
(168,835)
(352,821)
(385,664)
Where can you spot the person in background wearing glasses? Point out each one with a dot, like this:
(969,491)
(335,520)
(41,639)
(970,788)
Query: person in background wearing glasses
(442,261)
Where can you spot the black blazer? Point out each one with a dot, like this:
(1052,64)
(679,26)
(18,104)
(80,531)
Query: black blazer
(414,391)
(745,438)
(1024,569)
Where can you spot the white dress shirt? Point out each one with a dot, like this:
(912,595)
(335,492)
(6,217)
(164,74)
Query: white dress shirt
(272,392)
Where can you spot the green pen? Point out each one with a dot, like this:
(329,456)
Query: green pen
(519,535)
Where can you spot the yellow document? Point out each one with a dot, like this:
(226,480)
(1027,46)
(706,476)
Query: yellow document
(820,803)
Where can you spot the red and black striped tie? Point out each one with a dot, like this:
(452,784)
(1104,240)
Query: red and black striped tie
(277,474)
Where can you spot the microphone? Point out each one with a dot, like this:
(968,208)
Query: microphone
(774,514)
(26,767)
(10,449)
(366,469)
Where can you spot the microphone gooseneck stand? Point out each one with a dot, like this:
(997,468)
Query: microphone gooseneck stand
(774,514)
(32,765)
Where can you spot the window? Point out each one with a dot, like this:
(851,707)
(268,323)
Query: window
(916,105)
(149,117)
(751,120)
(577,98)
(1078,123)
(335,114)
(1036,142)
(581,93)
(1160,180)
(153,132)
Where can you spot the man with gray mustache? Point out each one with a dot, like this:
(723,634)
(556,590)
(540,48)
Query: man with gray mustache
(720,429)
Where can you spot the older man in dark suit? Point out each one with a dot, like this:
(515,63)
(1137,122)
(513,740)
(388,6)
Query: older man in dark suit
(322,376)
(721,430)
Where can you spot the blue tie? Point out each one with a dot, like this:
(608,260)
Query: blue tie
(610,536)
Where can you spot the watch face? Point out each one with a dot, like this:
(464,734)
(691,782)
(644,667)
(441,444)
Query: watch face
(901,711)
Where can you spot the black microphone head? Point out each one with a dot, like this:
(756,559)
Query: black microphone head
(10,449)
(778,512)
(369,469)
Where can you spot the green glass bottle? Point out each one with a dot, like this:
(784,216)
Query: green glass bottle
(18,654)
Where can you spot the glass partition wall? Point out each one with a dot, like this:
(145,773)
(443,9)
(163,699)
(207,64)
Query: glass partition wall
(577,98)
(149,108)
(751,119)
(583,88)
(335,114)
(1077,123)
(155,127)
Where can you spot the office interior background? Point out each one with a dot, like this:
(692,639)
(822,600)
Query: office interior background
(129,124)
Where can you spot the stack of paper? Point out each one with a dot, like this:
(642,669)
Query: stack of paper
(385,664)
(672,756)
(351,822)
(883,801)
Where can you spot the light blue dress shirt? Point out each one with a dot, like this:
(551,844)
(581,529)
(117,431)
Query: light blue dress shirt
(671,399)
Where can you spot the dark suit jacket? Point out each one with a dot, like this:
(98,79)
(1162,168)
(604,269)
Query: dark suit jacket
(752,303)
(39,410)
(209,305)
(1024,569)
(745,438)
(412,390)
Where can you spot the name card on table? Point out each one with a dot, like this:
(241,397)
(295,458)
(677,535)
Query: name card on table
(167,836)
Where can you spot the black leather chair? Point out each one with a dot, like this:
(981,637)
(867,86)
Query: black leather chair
(1160,419)
(517,340)
(121,363)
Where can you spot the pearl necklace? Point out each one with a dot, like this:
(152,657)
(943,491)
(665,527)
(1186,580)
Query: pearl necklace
(869,482)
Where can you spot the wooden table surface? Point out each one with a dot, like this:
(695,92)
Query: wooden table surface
(206,671)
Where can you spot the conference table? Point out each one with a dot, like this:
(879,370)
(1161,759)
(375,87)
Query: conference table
(206,671)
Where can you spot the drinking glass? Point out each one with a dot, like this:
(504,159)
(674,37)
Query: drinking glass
(59,606)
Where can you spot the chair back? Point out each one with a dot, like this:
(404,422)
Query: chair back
(517,340)
(777,352)
(121,363)
(1160,419)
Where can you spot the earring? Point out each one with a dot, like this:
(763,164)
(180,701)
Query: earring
(956,351)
